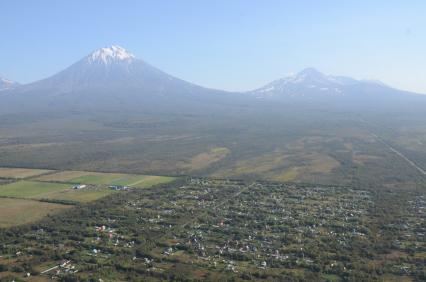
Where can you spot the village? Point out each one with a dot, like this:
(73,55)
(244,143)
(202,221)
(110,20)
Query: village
(221,228)
(264,226)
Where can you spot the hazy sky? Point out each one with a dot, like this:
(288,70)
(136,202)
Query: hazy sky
(232,45)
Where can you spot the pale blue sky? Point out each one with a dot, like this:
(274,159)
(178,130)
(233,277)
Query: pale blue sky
(225,44)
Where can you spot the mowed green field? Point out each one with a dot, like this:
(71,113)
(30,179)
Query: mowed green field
(54,191)
(80,177)
(97,178)
(20,201)
(81,195)
(19,211)
(31,189)
(101,178)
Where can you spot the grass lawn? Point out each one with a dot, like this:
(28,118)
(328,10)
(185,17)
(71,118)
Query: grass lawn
(21,172)
(31,189)
(18,211)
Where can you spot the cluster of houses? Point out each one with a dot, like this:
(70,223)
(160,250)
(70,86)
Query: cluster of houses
(231,226)
(113,187)
(118,187)
(290,215)
(107,231)
(413,228)
(109,236)
(64,267)
(272,221)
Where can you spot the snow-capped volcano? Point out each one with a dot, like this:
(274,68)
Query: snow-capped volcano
(308,80)
(112,78)
(313,76)
(6,84)
(310,83)
(111,69)
(108,55)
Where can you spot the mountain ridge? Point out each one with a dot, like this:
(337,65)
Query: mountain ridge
(312,84)
(7,84)
(115,72)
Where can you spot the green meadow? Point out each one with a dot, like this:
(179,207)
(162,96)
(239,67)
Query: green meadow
(31,189)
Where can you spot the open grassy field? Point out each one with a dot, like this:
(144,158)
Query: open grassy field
(20,172)
(80,195)
(83,177)
(19,201)
(289,175)
(100,178)
(31,189)
(205,159)
(62,191)
(284,165)
(97,178)
(18,211)
(142,181)
(53,191)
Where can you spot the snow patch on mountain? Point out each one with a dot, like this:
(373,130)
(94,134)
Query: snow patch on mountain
(108,55)
(6,84)
(113,72)
(312,83)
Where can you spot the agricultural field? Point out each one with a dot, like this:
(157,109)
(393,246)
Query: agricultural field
(32,189)
(83,177)
(20,173)
(228,230)
(80,195)
(99,178)
(19,211)
(57,189)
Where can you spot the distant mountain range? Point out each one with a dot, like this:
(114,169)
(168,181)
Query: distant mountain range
(113,75)
(312,84)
